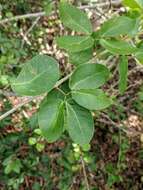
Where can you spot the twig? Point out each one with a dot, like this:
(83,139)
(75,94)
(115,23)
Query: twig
(16,107)
(6,93)
(110,4)
(104,4)
(29,30)
(135,69)
(101,13)
(120,126)
(84,173)
(29,99)
(120,151)
(109,121)
(128,91)
(29,15)
(73,181)
(62,80)
(40,14)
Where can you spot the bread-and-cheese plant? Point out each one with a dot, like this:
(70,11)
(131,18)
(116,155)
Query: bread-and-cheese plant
(71,108)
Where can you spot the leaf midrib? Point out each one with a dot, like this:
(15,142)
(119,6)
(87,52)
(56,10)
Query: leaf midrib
(116,47)
(24,83)
(81,81)
(68,105)
(73,21)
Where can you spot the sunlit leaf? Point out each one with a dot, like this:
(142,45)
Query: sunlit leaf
(79,123)
(121,25)
(134,4)
(51,117)
(37,76)
(118,46)
(89,76)
(75,43)
(94,99)
(74,18)
(80,57)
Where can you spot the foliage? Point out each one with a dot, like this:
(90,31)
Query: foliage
(59,111)
(71,102)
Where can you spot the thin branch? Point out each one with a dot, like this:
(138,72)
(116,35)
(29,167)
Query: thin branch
(29,15)
(7,93)
(110,4)
(29,30)
(120,151)
(104,4)
(84,173)
(40,14)
(120,126)
(62,80)
(29,99)
(101,13)
(109,121)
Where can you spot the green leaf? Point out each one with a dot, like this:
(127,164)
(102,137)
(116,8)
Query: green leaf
(51,117)
(123,71)
(118,47)
(81,57)
(86,147)
(40,147)
(8,169)
(48,7)
(74,18)
(32,140)
(75,43)
(13,166)
(80,124)
(89,76)
(92,99)
(139,56)
(38,76)
(112,179)
(7,160)
(133,4)
(17,166)
(121,25)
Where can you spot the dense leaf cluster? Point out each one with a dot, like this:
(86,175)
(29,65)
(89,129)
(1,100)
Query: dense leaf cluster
(71,108)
